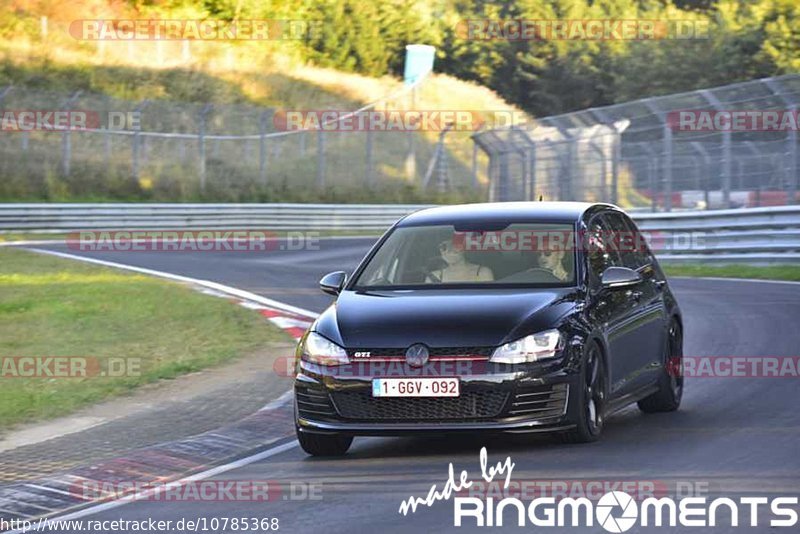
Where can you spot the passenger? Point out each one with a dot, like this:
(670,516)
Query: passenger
(457,268)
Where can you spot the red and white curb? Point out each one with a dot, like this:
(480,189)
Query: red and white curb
(292,324)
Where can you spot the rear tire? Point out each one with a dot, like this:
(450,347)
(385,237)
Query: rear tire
(670,383)
(590,398)
(324,444)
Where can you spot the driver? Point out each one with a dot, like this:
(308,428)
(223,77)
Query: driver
(457,268)
(552,261)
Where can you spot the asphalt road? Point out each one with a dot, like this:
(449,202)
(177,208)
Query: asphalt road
(732,436)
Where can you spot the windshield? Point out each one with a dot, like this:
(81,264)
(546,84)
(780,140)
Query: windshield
(520,254)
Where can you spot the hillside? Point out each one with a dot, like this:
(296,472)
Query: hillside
(240,80)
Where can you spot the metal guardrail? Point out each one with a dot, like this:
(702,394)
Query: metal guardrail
(754,235)
(60,218)
(741,235)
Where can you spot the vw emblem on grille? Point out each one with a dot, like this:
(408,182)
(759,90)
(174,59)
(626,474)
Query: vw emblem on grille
(417,355)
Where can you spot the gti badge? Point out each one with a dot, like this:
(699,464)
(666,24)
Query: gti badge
(417,355)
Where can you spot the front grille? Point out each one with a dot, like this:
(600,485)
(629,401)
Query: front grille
(470,405)
(313,402)
(433,351)
(541,401)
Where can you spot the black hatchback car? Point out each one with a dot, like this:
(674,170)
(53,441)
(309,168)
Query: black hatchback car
(512,317)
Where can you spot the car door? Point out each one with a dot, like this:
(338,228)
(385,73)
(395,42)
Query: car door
(654,311)
(646,305)
(611,310)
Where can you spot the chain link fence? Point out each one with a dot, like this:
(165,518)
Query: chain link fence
(172,151)
(731,146)
(638,154)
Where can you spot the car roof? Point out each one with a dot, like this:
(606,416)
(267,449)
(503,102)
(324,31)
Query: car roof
(562,212)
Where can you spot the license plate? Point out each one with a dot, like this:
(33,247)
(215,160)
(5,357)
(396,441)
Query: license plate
(416,387)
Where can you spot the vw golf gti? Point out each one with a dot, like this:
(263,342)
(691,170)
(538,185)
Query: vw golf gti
(509,317)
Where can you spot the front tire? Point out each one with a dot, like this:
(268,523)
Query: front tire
(324,444)
(591,399)
(670,383)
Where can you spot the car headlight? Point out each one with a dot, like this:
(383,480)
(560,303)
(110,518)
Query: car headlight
(321,350)
(531,348)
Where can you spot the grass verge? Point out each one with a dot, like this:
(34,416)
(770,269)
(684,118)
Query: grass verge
(51,307)
(767,272)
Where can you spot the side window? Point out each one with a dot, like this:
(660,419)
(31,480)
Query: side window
(623,239)
(598,250)
(637,243)
(644,256)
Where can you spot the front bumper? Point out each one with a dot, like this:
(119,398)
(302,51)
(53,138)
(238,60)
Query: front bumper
(494,398)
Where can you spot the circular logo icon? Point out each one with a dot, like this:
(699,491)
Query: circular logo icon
(417,355)
(621,521)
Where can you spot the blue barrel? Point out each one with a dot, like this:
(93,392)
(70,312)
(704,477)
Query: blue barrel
(419,62)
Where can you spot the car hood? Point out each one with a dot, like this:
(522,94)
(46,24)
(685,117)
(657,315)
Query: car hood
(441,318)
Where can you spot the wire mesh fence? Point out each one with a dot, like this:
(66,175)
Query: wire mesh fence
(731,146)
(177,151)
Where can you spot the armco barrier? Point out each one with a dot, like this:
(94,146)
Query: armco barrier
(753,235)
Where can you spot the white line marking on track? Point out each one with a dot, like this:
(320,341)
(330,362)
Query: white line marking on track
(40,242)
(278,403)
(285,322)
(32,243)
(723,279)
(246,304)
(204,283)
(52,490)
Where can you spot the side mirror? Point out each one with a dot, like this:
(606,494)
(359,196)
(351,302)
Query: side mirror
(332,283)
(620,277)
